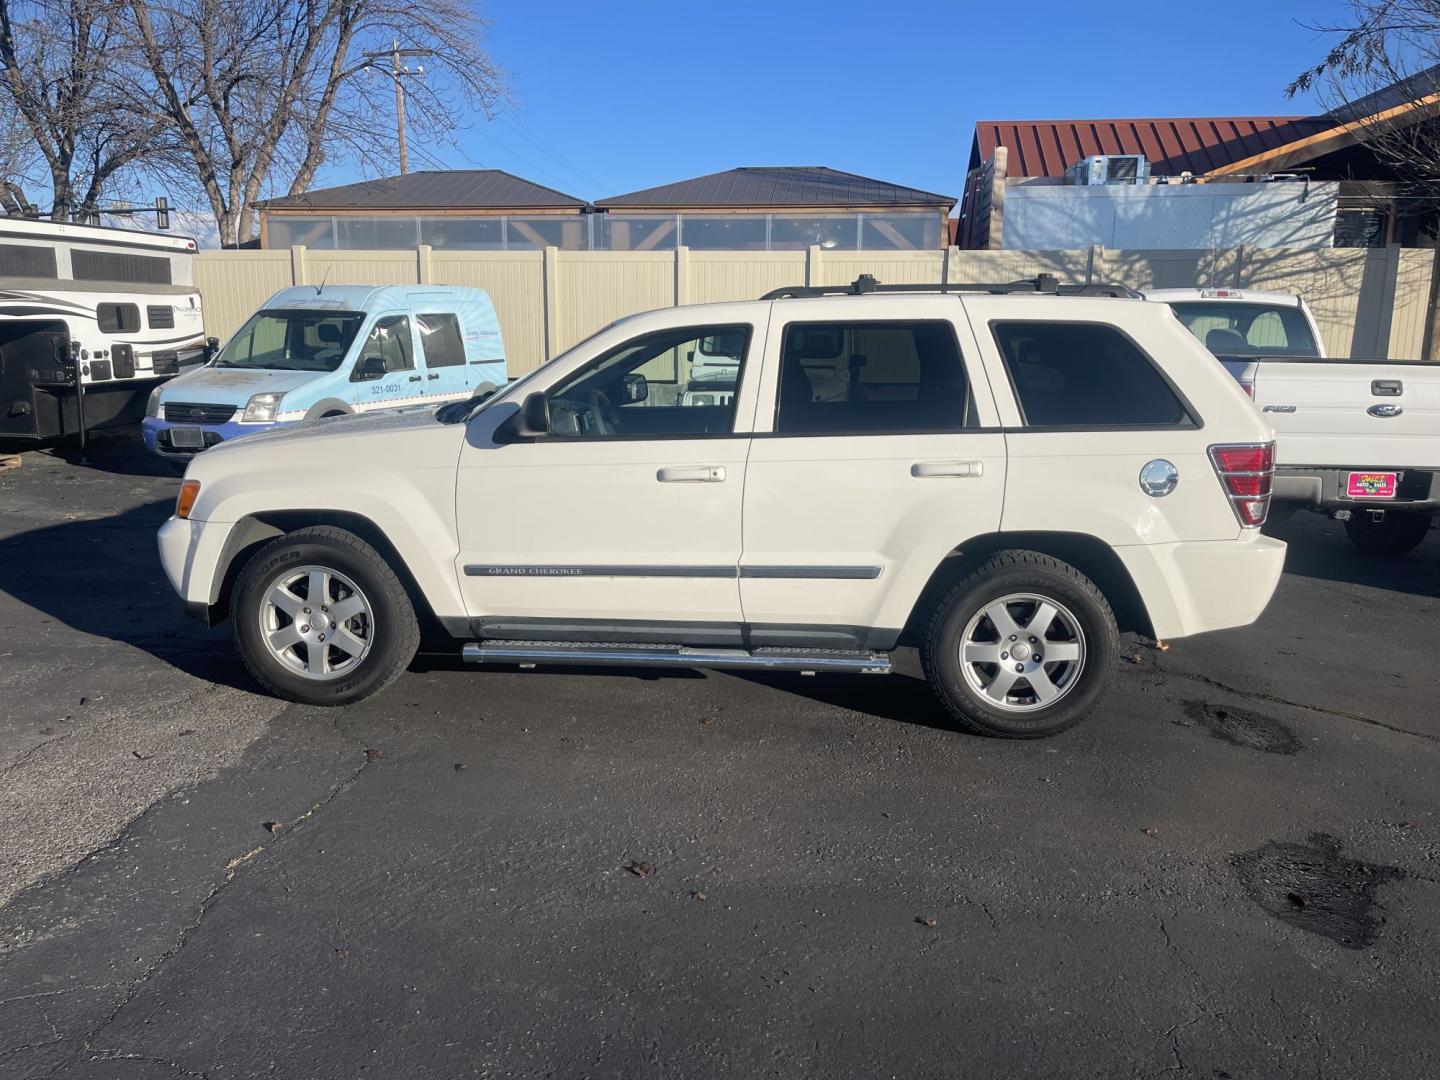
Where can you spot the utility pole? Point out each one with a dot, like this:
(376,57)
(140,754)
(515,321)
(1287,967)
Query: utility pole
(398,71)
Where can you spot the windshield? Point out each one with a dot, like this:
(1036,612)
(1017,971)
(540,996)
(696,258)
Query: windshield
(1227,328)
(292,341)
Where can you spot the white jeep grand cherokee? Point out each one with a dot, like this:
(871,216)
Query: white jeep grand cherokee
(997,474)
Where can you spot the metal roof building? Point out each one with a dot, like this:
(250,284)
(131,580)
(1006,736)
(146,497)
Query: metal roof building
(776,208)
(480,209)
(1172,145)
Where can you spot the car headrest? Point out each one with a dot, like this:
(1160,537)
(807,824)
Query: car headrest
(819,342)
(328,332)
(1221,340)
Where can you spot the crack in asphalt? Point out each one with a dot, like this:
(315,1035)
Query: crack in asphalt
(26,754)
(206,903)
(1275,699)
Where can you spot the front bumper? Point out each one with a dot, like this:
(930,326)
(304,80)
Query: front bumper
(1323,488)
(1193,587)
(155,432)
(190,551)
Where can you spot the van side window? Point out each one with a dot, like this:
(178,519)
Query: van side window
(117,318)
(440,339)
(870,377)
(390,340)
(1085,375)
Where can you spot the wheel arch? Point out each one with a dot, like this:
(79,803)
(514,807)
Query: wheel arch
(254,531)
(1089,554)
(329,407)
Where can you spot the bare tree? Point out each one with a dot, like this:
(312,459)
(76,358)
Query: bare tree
(65,71)
(1382,76)
(261,94)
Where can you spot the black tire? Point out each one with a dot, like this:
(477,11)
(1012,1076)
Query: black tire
(1008,573)
(1396,533)
(393,635)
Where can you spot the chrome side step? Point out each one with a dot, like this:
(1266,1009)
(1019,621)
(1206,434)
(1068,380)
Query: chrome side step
(563,652)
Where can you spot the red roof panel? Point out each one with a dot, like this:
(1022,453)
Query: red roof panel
(1172,145)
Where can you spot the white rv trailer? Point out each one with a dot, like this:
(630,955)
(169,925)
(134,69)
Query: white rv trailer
(116,309)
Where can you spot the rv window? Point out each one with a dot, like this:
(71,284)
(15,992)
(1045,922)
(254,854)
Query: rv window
(20,260)
(119,266)
(117,318)
(440,338)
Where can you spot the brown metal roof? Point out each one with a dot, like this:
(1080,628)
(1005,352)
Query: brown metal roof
(468,189)
(1172,145)
(777,186)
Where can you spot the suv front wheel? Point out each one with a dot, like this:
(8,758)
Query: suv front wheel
(1022,647)
(321,618)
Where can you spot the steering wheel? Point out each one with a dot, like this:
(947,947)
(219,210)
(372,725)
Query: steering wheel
(602,417)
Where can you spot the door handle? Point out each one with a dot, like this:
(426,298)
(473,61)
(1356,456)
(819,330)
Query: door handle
(930,469)
(414,378)
(1387,387)
(433,375)
(691,474)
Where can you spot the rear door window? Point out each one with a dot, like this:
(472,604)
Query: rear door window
(870,378)
(440,339)
(1084,375)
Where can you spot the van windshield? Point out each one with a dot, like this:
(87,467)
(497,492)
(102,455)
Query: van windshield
(292,341)
(1230,329)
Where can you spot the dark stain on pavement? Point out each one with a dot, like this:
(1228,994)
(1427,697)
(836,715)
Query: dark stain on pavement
(1252,730)
(1313,887)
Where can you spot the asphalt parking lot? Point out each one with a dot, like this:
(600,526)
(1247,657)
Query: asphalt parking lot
(1232,870)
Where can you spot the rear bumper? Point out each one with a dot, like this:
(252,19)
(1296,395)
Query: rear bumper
(1323,487)
(1194,587)
(155,432)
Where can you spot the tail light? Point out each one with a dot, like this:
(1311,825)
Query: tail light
(1248,385)
(1246,472)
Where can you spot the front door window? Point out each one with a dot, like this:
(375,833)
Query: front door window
(679,382)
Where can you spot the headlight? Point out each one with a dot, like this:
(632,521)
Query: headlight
(152,407)
(261,409)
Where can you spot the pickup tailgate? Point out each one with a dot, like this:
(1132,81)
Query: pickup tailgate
(1352,414)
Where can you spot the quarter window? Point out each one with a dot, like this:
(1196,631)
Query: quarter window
(1085,375)
(871,377)
(390,341)
(672,383)
(440,340)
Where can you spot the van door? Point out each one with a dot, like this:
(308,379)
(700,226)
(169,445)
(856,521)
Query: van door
(442,346)
(385,375)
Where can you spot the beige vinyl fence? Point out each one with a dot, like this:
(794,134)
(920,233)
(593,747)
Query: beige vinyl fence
(1370,302)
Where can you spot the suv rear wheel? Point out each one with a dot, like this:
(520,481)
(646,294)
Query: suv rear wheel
(1022,647)
(1397,532)
(321,618)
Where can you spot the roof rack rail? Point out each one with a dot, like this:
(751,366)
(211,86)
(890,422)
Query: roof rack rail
(1041,284)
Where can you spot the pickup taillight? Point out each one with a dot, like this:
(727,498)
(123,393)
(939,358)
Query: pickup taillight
(1248,385)
(1247,473)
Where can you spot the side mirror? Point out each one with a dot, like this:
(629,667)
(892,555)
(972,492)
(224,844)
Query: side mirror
(637,388)
(369,368)
(212,346)
(534,418)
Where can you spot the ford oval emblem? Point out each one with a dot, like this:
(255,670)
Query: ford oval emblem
(1385,410)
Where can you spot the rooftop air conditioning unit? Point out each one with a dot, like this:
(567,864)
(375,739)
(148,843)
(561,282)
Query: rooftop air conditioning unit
(1110,169)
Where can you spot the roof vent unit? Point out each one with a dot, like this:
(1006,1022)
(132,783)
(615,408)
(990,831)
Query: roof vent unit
(1109,169)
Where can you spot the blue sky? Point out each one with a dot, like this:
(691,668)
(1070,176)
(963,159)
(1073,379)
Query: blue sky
(609,98)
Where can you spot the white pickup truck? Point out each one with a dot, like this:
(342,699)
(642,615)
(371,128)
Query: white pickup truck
(998,476)
(1358,439)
